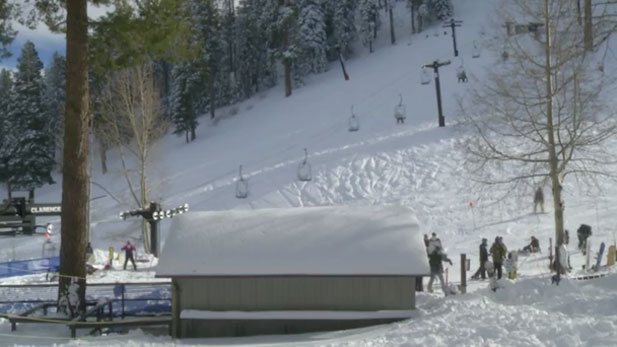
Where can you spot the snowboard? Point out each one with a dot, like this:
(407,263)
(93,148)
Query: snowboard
(600,253)
(610,259)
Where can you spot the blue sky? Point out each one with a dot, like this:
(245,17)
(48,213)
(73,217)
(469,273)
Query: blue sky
(46,42)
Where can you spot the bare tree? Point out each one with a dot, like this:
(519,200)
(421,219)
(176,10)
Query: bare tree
(132,108)
(539,117)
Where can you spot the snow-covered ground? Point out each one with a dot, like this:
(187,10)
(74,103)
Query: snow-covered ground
(416,164)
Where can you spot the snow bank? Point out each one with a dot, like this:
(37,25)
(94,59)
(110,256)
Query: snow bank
(336,240)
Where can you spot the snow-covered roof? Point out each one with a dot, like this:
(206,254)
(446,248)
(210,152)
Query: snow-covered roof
(336,240)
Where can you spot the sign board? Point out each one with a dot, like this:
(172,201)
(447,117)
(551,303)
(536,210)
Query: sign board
(44,209)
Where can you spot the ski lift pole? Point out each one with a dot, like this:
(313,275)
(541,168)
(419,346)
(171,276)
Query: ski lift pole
(453,24)
(340,58)
(435,65)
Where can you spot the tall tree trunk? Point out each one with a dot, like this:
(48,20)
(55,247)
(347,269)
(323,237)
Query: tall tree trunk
(287,62)
(103,156)
(413,20)
(193,134)
(392,36)
(143,187)
(212,101)
(579,16)
(555,174)
(75,162)
(588,34)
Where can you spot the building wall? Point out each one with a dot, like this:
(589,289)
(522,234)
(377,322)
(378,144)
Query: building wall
(286,293)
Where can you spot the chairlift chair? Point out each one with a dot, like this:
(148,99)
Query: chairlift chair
(304,169)
(425,78)
(242,186)
(399,111)
(354,122)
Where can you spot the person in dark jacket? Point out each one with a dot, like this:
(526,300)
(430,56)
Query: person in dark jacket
(129,250)
(533,246)
(499,251)
(583,233)
(435,258)
(483,259)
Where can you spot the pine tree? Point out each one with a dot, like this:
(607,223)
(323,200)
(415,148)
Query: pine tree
(255,32)
(344,25)
(441,9)
(34,160)
(54,97)
(7,140)
(212,80)
(183,101)
(312,37)
(368,22)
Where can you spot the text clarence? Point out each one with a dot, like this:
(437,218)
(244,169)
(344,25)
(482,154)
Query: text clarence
(45,209)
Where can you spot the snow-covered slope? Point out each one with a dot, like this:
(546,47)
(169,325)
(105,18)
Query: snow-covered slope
(415,164)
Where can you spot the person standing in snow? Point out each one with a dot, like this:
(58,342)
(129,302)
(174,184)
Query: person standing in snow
(538,199)
(583,233)
(129,249)
(435,259)
(498,251)
(483,259)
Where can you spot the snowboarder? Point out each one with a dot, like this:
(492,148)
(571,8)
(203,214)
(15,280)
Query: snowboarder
(483,259)
(533,246)
(583,233)
(499,251)
(538,199)
(510,266)
(129,249)
(435,258)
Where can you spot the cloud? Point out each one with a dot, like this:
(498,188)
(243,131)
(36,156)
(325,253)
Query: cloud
(44,40)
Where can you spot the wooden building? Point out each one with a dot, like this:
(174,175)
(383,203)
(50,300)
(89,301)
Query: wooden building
(295,270)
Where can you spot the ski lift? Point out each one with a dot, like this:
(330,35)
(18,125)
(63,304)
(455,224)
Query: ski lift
(399,111)
(242,186)
(354,123)
(426,76)
(475,51)
(304,169)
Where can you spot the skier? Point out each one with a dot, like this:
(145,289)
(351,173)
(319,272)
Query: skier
(129,249)
(483,259)
(435,258)
(583,233)
(538,199)
(533,246)
(499,251)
